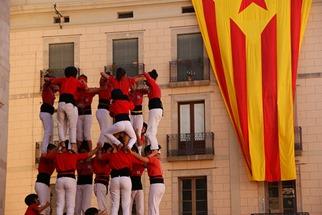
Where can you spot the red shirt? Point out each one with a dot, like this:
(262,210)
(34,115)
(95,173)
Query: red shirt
(84,98)
(101,167)
(68,85)
(32,209)
(48,94)
(120,160)
(154,167)
(121,107)
(136,96)
(106,92)
(66,161)
(46,165)
(84,167)
(137,169)
(155,91)
(125,84)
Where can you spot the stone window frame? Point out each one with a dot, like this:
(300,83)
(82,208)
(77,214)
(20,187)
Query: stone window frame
(193,190)
(191,29)
(177,174)
(192,120)
(110,36)
(177,98)
(61,39)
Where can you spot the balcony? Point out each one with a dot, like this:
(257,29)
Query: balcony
(296,213)
(132,69)
(298,140)
(198,146)
(194,72)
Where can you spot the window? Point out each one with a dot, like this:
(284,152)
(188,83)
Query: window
(61,55)
(58,19)
(190,57)
(66,19)
(125,15)
(191,127)
(193,196)
(126,55)
(281,197)
(187,9)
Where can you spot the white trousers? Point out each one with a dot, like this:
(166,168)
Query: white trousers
(155,195)
(120,188)
(65,189)
(67,111)
(83,198)
(155,116)
(120,126)
(137,123)
(84,127)
(43,192)
(137,196)
(48,125)
(105,121)
(100,191)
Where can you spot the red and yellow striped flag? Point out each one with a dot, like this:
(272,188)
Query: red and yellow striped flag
(253,46)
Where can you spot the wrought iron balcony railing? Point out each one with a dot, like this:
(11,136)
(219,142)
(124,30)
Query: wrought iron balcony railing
(189,70)
(296,213)
(190,144)
(298,140)
(132,69)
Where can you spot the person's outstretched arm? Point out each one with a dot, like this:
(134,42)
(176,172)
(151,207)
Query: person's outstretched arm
(139,157)
(41,208)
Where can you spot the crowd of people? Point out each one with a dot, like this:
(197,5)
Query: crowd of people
(118,161)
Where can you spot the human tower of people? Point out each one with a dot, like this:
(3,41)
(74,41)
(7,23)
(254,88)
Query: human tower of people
(116,161)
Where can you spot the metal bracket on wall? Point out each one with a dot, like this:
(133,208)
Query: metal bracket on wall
(59,19)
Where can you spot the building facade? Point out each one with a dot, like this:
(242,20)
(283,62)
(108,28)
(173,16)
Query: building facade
(203,167)
(4,96)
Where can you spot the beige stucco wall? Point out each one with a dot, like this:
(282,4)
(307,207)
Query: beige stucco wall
(156,23)
(4,87)
(309,113)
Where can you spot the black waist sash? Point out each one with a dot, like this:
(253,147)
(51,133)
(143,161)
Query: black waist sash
(103,104)
(120,172)
(67,98)
(43,178)
(136,183)
(84,179)
(102,179)
(156,180)
(155,103)
(122,117)
(85,110)
(66,173)
(137,110)
(60,175)
(47,108)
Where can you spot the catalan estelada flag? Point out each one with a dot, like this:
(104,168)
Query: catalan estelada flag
(253,46)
